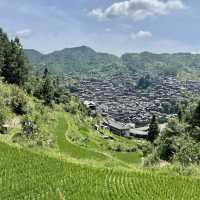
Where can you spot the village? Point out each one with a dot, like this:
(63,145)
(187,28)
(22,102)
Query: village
(117,98)
(127,110)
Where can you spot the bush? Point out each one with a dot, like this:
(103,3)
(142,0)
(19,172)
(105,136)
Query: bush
(116,147)
(152,159)
(29,126)
(195,133)
(19,101)
(5,115)
(189,153)
(146,148)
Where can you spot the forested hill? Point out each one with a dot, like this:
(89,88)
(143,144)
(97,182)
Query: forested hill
(84,59)
(78,59)
(167,63)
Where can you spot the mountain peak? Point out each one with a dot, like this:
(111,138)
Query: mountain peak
(84,48)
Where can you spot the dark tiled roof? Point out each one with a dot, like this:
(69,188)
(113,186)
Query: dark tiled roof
(117,125)
(138,132)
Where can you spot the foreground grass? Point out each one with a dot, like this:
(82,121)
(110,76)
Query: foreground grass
(25,175)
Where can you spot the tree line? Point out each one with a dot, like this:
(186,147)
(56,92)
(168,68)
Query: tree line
(14,66)
(15,69)
(180,140)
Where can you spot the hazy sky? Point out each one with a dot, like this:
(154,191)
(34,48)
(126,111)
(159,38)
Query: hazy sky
(114,26)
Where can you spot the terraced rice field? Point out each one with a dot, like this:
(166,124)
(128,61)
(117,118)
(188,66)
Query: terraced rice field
(93,152)
(26,175)
(70,149)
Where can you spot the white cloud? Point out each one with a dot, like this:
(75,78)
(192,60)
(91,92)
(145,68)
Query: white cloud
(25,33)
(141,35)
(138,9)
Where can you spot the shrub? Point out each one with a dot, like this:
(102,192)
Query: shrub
(152,159)
(29,126)
(19,101)
(146,148)
(4,116)
(116,147)
(189,153)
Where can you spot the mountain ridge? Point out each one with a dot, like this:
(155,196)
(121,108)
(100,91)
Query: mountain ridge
(84,59)
(79,59)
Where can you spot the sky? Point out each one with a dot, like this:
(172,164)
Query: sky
(113,26)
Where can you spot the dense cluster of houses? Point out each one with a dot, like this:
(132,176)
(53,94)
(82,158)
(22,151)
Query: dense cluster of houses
(116,96)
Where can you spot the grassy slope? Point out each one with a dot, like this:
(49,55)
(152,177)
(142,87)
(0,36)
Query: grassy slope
(65,146)
(26,175)
(95,148)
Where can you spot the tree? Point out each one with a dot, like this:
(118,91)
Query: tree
(196,116)
(15,69)
(47,90)
(144,82)
(153,129)
(19,101)
(4,46)
(46,72)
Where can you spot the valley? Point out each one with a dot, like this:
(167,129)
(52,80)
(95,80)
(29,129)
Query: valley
(79,124)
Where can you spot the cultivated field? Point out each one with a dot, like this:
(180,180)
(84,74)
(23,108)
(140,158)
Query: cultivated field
(26,175)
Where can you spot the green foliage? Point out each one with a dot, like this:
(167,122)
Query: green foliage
(74,106)
(146,148)
(153,129)
(25,116)
(170,107)
(33,86)
(19,101)
(15,69)
(195,133)
(13,99)
(180,140)
(47,88)
(152,159)
(4,47)
(171,139)
(144,82)
(5,115)
(116,147)
(29,126)
(47,91)
(196,116)
(189,153)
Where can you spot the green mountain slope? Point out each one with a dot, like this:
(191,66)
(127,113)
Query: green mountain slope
(79,59)
(85,60)
(169,63)
(33,56)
